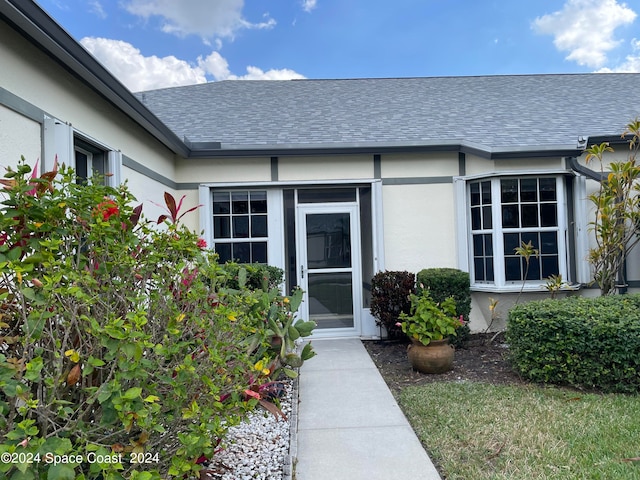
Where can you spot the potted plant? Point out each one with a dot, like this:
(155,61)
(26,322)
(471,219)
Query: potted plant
(429,327)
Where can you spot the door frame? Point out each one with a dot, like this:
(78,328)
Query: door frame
(356,268)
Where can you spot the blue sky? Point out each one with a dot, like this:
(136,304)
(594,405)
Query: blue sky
(152,44)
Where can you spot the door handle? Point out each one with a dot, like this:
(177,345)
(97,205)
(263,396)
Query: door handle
(301,271)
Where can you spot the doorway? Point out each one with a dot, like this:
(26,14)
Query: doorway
(329,271)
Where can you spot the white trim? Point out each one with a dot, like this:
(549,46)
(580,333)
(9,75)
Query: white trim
(461,222)
(514,173)
(114,168)
(583,269)
(58,143)
(289,183)
(275,228)
(205,212)
(377,226)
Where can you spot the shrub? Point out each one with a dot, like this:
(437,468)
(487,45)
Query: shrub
(583,342)
(117,339)
(390,296)
(258,276)
(449,282)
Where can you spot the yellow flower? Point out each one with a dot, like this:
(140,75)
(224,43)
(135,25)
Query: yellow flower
(38,224)
(73,355)
(180,317)
(286,300)
(232,317)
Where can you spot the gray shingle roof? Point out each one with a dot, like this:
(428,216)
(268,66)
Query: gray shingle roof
(491,112)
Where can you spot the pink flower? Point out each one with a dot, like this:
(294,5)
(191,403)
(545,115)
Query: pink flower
(201,243)
(398,324)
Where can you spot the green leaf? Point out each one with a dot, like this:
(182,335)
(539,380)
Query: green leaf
(132,393)
(63,471)
(290,373)
(293,333)
(26,475)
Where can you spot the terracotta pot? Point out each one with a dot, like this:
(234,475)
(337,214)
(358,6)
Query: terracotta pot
(437,357)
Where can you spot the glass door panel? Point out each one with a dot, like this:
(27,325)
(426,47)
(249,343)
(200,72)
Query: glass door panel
(331,299)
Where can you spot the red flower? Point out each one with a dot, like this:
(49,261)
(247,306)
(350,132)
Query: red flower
(201,243)
(106,209)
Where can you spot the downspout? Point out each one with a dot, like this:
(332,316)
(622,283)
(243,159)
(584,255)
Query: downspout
(573,164)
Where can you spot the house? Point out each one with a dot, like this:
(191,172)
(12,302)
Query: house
(333,180)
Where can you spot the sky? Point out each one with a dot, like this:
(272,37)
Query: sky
(151,44)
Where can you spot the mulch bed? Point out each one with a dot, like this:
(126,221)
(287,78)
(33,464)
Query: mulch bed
(482,358)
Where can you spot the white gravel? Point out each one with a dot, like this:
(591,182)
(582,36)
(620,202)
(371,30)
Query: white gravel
(258,448)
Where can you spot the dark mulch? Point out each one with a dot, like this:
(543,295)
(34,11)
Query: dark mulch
(482,358)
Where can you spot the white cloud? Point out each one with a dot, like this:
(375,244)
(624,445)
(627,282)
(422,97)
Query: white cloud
(308,5)
(139,73)
(96,7)
(205,18)
(585,29)
(631,63)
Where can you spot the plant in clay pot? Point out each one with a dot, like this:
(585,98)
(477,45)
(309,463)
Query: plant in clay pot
(429,327)
(429,320)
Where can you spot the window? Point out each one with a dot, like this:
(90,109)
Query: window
(90,161)
(240,226)
(504,212)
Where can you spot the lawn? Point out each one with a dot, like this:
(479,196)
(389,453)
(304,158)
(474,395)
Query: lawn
(477,431)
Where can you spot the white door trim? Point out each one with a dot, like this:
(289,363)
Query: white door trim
(302,211)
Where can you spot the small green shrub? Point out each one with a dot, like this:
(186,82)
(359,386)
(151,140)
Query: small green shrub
(443,283)
(258,276)
(583,342)
(390,296)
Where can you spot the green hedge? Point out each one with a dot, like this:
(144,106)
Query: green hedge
(583,342)
(443,283)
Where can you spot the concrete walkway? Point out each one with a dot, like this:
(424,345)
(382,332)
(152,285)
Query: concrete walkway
(349,425)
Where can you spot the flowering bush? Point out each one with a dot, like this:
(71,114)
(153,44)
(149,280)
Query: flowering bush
(123,354)
(430,320)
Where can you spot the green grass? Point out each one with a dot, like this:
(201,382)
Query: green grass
(476,431)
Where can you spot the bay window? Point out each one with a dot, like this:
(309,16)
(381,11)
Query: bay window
(504,213)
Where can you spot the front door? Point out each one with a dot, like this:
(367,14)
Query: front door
(329,267)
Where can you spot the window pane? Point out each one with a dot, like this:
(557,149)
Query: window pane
(240,202)
(548,243)
(528,190)
(258,202)
(550,266)
(487,221)
(532,237)
(478,266)
(259,252)
(511,242)
(529,216)
(512,269)
(324,195)
(534,268)
(547,189)
(477,245)
(475,193)
(509,191)
(221,227)
(486,193)
(224,252)
(476,224)
(258,226)
(241,227)
(489,263)
(510,216)
(221,203)
(548,215)
(242,252)
(488,245)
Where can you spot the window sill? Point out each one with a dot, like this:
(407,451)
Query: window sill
(531,288)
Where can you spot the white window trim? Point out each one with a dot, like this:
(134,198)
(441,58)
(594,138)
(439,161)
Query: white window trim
(463,226)
(59,142)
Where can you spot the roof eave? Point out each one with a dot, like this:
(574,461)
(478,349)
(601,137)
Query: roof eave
(35,24)
(203,150)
